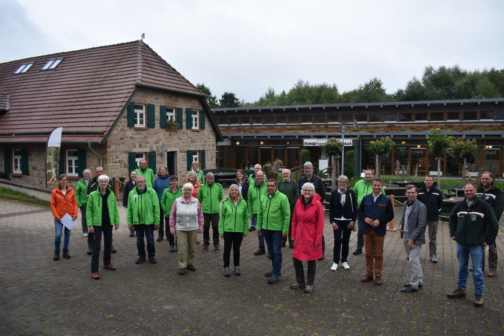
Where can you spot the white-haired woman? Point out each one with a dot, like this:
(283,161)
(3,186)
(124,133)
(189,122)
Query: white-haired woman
(186,221)
(102,213)
(233,227)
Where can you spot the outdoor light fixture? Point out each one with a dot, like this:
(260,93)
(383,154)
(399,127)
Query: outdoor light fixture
(237,142)
(488,146)
(403,142)
(288,142)
(261,143)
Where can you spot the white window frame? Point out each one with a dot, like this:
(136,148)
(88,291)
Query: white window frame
(171,114)
(195,119)
(195,156)
(52,64)
(72,163)
(16,161)
(139,115)
(139,157)
(23,68)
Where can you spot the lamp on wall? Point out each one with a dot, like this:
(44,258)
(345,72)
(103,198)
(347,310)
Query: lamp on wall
(418,146)
(403,142)
(237,142)
(488,146)
(261,142)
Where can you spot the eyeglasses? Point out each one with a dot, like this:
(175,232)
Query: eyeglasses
(307,190)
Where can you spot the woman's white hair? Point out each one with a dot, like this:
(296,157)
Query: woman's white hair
(188,185)
(309,185)
(103,177)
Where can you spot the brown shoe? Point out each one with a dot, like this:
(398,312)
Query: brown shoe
(191,268)
(491,274)
(378,281)
(181,271)
(367,278)
(456,294)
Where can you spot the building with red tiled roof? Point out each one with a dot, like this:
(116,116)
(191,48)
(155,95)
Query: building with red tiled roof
(117,104)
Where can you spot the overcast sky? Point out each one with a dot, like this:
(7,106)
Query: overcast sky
(245,47)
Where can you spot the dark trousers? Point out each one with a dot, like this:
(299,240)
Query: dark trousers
(289,237)
(300,278)
(171,239)
(344,231)
(106,230)
(214,219)
(360,235)
(148,231)
(232,240)
(90,239)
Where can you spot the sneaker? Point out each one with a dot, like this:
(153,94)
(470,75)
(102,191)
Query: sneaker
(140,260)
(226,272)
(110,267)
(273,280)
(205,248)
(456,294)
(357,251)
(237,271)
(409,289)
(478,300)
(433,258)
(96,276)
(172,248)
(191,268)
(85,234)
(181,271)
(345,266)
(308,289)
(296,285)
(409,285)
(334,266)
(252,228)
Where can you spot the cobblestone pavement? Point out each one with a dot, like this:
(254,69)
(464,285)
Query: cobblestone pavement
(40,296)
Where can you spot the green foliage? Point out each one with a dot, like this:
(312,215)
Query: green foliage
(305,156)
(372,91)
(382,147)
(461,149)
(332,147)
(229,100)
(211,100)
(16,195)
(349,163)
(438,142)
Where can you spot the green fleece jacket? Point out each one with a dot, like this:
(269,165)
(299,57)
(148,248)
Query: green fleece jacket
(274,213)
(81,193)
(143,208)
(148,174)
(94,209)
(210,197)
(169,198)
(233,218)
(362,189)
(254,197)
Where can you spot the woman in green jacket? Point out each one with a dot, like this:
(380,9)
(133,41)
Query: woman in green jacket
(233,227)
(102,213)
(167,200)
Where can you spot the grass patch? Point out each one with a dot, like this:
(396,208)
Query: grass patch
(16,195)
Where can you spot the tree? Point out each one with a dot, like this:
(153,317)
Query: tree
(438,145)
(333,148)
(349,163)
(372,91)
(229,100)
(305,156)
(381,148)
(463,151)
(211,100)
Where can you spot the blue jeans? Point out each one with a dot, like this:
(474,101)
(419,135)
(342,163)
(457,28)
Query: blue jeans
(148,231)
(476,253)
(274,242)
(253,223)
(58,229)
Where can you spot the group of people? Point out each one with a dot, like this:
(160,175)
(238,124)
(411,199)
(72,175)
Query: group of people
(283,213)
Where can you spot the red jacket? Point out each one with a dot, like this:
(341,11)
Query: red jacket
(63,204)
(307,229)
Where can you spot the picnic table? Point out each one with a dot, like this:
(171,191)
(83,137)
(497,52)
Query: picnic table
(448,205)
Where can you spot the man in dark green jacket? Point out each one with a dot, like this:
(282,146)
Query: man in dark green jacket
(290,189)
(210,195)
(143,217)
(273,223)
(473,226)
(254,201)
(81,194)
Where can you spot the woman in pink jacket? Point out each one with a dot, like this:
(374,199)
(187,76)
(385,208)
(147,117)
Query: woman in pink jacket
(307,230)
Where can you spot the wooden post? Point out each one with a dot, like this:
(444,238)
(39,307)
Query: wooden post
(391,223)
(116,188)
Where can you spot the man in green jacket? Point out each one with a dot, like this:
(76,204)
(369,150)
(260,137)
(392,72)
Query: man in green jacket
(167,200)
(210,195)
(146,172)
(273,223)
(254,197)
(143,217)
(362,188)
(82,198)
(252,178)
(290,189)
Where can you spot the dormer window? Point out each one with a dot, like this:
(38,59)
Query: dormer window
(52,63)
(23,68)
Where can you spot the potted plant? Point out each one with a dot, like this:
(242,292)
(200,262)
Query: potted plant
(171,125)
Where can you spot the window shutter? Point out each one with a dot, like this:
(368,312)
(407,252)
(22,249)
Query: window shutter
(151,123)
(131,162)
(188,118)
(7,161)
(179,118)
(61,169)
(81,161)
(152,161)
(162,116)
(24,162)
(189,160)
(202,119)
(203,159)
(131,114)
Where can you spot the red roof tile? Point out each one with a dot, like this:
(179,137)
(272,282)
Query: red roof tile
(84,93)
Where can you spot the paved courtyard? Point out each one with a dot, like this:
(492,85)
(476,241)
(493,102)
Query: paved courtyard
(40,296)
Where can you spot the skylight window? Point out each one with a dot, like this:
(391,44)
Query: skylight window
(23,68)
(52,63)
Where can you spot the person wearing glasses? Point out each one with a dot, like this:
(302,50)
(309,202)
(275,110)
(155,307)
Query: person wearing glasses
(343,215)
(307,232)
(210,195)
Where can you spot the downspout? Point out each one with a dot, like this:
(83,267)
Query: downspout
(92,150)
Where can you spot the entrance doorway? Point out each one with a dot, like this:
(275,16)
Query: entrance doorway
(171,163)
